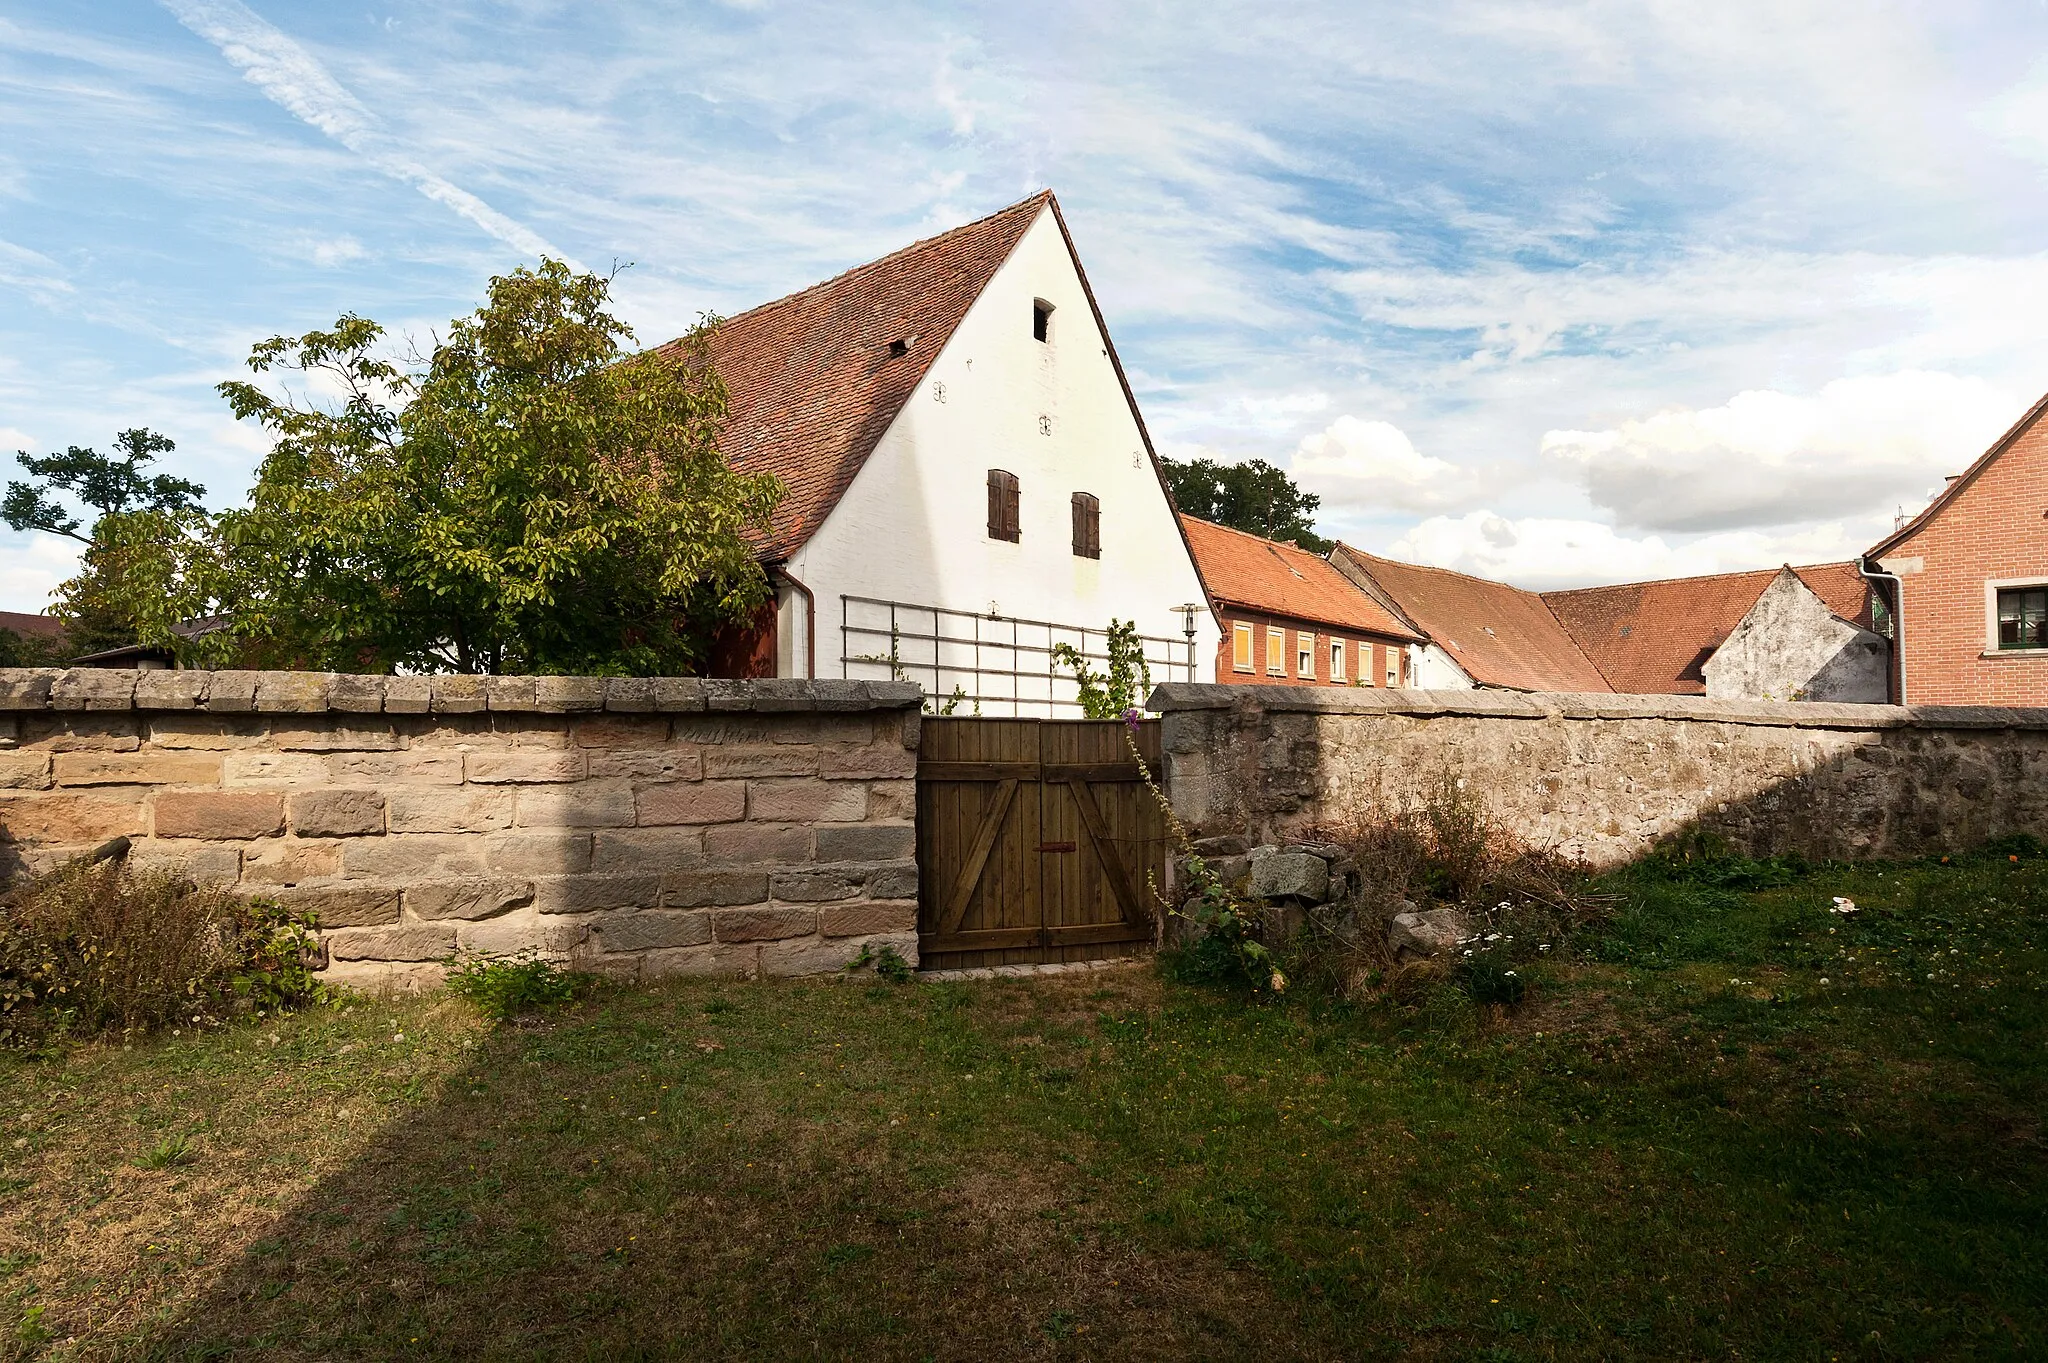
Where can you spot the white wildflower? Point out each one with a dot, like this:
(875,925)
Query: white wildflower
(1843,905)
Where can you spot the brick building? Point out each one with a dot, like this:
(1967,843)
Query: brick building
(1969,580)
(1290,619)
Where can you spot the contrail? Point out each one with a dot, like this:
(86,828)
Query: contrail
(293,78)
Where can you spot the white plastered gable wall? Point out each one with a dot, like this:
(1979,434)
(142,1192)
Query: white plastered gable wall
(913,525)
(1791,646)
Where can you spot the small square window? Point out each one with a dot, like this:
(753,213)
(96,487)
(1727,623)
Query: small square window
(1276,652)
(1241,647)
(1336,660)
(2023,618)
(1041,320)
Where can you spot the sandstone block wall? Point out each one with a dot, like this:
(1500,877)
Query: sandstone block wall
(627,825)
(1604,778)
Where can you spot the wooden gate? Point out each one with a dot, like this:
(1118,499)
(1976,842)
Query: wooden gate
(1036,841)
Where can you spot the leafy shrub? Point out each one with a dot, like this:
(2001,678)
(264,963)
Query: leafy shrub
(1486,972)
(1700,858)
(887,962)
(99,948)
(505,986)
(2024,846)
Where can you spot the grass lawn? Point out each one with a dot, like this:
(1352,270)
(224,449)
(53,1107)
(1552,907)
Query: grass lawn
(1734,1125)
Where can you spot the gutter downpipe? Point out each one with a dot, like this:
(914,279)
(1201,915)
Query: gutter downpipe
(1898,617)
(810,621)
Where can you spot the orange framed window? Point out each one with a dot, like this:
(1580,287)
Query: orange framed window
(1241,647)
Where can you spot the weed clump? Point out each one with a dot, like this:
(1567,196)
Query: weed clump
(503,987)
(887,963)
(98,948)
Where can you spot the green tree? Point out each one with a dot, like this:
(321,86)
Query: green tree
(529,498)
(100,608)
(1254,497)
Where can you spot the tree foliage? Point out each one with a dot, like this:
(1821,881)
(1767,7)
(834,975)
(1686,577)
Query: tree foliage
(530,497)
(1254,497)
(109,485)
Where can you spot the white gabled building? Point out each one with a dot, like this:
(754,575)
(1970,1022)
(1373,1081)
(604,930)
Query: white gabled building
(969,478)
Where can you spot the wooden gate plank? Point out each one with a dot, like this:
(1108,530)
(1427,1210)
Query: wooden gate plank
(1106,852)
(977,858)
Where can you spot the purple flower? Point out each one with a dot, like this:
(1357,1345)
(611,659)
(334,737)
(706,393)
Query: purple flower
(1133,716)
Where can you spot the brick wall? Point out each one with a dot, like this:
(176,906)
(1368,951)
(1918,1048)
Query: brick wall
(1602,778)
(630,825)
(1996,528)
(1361,651)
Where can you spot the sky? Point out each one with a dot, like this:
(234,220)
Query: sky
(1565,293)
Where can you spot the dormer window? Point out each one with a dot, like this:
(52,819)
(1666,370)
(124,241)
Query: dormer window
(1041,320)
(901,347)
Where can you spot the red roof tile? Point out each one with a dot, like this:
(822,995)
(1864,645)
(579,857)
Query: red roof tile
(1240,569)
(811,380)
(1500,635)
(32,626)
(1653,637)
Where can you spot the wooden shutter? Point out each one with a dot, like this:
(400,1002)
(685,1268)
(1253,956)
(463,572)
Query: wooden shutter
(1087,526)
(1002,506)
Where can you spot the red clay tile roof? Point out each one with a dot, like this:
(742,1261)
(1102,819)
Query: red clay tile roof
(1651,638)
(32,626)
(811,380)
(1259,574)
(1500,635)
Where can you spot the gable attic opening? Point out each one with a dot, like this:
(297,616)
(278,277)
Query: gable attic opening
(1041,320)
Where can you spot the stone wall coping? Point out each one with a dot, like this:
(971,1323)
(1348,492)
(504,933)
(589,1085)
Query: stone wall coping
(230,692)
(1171,697)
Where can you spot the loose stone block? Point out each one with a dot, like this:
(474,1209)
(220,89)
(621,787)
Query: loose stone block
(289,861)
(509,694)
(805,800)
(652,931)
(408,695)
(620,731)
(586,894)
(136,769)
(647,849)
(763,925)
(867,842)
(704,888)
(93,688)
(630,694)
(645,764)
(893,882)
(507,768)
(343,905)
(467,899)
(771,761)
(232,692)
(407,942)
(695,802)
(170,689)
(862,920)
(462,694)
(25,771)
(756,844)
(66,818)
(584,806)
(336,813)
(568,695)
(867,763)
(396,768)
(353,694)
(292,692)
(410,857)
(412,809)
(219,814)
(542,852)
(26,688)
(816,886)
(256,768)
(338,738)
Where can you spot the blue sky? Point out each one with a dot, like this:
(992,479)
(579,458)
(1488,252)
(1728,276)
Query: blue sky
(1564,293)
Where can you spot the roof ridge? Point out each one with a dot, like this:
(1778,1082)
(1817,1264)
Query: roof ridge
(1040,197)
(1448,572)
(1253,535)
(1955,486)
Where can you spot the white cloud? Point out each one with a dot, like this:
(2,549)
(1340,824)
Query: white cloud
(293,78)
(1541,553)
(1765,458)
(1373,466)
(31,566)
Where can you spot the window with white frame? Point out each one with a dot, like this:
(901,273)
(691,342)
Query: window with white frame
(1276,651)
(1305,656)
(2020,617)
(1336,660)
(1393,667)
(1241,647)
